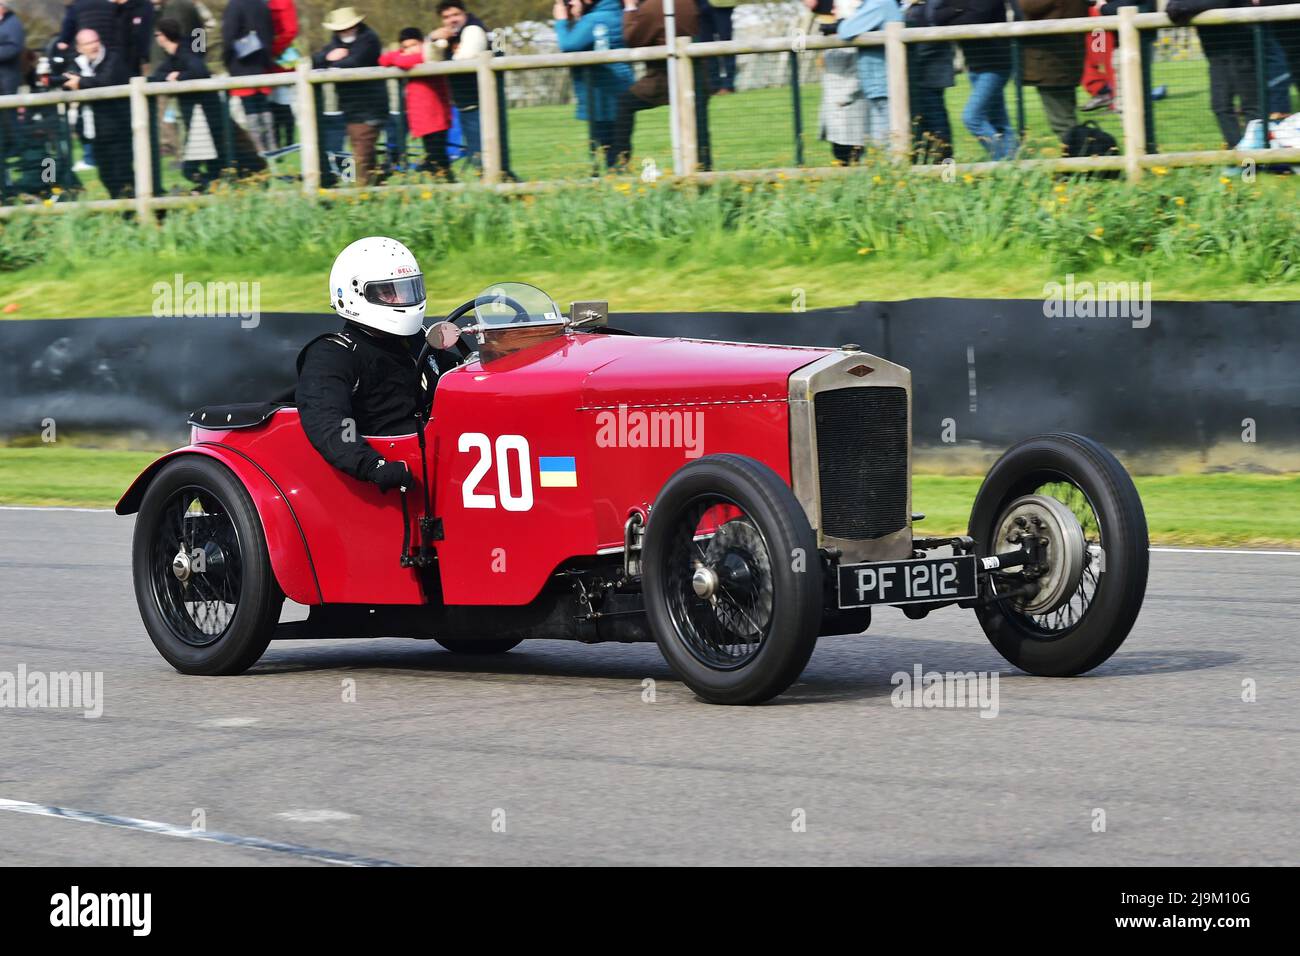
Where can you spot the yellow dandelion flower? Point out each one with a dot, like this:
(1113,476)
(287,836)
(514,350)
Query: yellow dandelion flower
(1180,201)
(865,251)
(1160,170)
(427,194)
(877,180)
(1099,231)
(968,179)
(1225,180)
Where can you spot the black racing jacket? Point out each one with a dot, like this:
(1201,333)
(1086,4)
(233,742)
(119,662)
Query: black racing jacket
(354,383)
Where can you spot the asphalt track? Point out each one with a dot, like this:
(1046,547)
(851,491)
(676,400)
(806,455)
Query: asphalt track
(556,742)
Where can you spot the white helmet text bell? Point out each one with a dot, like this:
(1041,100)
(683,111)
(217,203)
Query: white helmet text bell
(376,282)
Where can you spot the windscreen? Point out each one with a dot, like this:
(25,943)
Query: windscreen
(516,303)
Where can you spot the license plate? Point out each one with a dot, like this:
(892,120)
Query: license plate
(908,582)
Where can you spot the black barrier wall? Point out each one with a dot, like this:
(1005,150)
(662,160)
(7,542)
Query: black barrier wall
(997,369)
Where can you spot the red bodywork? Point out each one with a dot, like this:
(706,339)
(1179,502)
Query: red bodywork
(578,396)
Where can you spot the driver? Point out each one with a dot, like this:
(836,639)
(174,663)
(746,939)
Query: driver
(363,379)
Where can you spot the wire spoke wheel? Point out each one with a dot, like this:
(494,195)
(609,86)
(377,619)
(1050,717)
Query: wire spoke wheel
(719,574)
(732,580)
(1073,502)
(196,567)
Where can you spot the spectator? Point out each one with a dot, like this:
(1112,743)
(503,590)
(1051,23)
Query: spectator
(1229,53)
(1054,64)
(201,160)
(107,123)
(872,15)
(428,102)
(365,104)
(643,25)
(194,37)
(13,43)
(196,24)
(1287,34)
(715,24)
(595,25)
(843,115)
(124,27)
(284,30)
(463,36)
(988,63)
(929,73)
(1098,79)
(246,39)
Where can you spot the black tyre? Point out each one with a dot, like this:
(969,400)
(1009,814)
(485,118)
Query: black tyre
(203,579)
(1074,610)
(732,579)
(463,645)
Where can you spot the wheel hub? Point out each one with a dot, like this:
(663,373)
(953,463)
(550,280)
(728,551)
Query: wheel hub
(182,566)
(704,582)
(1062,546)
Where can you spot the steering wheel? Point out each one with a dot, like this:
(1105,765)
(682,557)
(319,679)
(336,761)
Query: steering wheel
(461,311)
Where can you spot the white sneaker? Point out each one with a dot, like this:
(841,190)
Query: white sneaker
(81,166)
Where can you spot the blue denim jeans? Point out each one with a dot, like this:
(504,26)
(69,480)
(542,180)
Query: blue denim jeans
(986,116)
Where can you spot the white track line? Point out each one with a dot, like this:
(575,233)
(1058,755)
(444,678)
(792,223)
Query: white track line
(96,511)
(185,833)
(1222,551)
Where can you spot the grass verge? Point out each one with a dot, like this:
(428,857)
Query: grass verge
(1236,510)
(877,234)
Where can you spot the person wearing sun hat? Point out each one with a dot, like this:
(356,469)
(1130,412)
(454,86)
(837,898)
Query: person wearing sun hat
(365,104)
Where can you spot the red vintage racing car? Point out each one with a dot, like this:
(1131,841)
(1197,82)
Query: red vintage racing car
(730,502)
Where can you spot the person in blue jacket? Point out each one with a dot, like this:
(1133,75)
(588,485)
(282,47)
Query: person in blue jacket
(869,16)
(595,25)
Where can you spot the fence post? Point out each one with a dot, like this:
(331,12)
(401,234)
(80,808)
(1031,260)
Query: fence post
(1130,81)
(308,129)
(489,118)
(141,150)
(797,103)
(684,113)
(900,109)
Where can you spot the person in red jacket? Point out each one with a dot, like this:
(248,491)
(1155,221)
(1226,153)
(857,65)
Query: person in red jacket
(284,30)
(428,102)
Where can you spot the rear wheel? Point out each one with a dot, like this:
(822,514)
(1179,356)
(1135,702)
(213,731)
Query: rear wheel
(1071,612)
(203,579)
(733,580)
(471,646)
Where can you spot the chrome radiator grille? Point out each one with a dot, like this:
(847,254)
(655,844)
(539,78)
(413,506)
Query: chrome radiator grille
(862,452)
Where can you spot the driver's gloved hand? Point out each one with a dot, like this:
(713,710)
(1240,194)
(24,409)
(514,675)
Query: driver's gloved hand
(391,474)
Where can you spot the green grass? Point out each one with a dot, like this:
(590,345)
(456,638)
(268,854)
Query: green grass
(1228,510)
(876,234)
(1207,510)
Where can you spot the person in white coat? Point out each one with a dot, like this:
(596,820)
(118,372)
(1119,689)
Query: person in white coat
(843,114)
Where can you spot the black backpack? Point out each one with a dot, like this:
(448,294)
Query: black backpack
(1089,139)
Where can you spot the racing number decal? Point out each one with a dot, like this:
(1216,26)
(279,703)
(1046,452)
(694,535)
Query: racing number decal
(511,499)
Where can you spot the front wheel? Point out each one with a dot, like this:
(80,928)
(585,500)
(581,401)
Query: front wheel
(1071,611)
(203,578)
(733,580)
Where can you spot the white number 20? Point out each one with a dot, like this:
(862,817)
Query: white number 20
(522,500)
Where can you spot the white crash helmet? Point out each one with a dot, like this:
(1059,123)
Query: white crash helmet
(376,282)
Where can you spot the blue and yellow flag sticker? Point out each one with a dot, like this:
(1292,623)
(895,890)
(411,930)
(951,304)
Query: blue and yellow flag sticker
(558,472)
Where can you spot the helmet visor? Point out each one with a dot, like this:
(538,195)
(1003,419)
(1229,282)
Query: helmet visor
(396,293)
